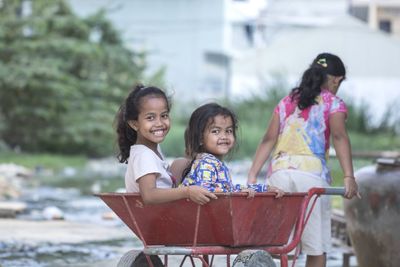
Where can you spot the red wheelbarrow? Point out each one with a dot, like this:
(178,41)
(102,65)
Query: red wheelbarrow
(253,228)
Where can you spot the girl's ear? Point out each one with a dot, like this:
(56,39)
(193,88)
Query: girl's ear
(133,125)
(338,79)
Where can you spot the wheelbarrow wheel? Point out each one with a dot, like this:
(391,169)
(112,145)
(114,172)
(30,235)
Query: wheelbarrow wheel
(253,258)
(136,258)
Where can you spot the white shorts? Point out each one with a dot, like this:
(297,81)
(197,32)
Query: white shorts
(316,238)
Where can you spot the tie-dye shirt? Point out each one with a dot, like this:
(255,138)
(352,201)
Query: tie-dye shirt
(303,141)
(211,173)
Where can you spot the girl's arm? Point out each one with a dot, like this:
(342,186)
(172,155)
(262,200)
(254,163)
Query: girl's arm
(177,168)
(153,195)
(264,149)
(341,142)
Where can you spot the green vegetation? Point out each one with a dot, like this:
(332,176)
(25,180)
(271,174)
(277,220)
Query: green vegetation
(62,78)
(48,161)
(84,182)
(174,144)
(374,141)
(254,114)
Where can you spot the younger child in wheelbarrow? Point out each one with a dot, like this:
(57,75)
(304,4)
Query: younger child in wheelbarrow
(209,137)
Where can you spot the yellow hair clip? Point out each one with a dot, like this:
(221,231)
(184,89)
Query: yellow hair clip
(322,62)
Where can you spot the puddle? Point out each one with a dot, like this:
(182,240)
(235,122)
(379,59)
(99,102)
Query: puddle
(22,255)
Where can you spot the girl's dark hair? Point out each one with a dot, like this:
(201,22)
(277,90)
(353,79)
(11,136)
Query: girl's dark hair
(315,76)
(200,119)
(129,111)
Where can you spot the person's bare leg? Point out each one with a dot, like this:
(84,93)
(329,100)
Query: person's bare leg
(316,261)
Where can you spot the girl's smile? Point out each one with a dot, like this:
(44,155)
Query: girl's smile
(159,132)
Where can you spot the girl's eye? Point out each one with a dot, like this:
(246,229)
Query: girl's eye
(150,118)
(165,116)
(215,131)
(229,131)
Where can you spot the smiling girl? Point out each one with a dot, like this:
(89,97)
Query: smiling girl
(142,124)
(209,137)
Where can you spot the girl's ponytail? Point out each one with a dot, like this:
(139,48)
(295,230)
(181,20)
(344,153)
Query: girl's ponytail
(309,88)
(126,136)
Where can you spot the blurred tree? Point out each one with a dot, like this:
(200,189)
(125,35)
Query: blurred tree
(257,109)
(358,117)
(62,77)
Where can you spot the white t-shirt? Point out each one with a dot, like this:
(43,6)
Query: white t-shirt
(142,160)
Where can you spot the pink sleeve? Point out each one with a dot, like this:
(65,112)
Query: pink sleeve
(338,105)
(276,109)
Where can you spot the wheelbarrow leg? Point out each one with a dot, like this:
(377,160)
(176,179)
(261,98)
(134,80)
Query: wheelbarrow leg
(284,260)
(166,260)
(184,259)
(206,259)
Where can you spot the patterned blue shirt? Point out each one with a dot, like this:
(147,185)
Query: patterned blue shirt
(211,173)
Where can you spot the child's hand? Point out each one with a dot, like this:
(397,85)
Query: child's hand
(250,192)
(199,194)
(279,192)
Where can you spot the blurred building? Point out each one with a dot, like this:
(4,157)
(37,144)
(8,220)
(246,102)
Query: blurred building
(195,40)
(297,30)
(234,48)
(379,14)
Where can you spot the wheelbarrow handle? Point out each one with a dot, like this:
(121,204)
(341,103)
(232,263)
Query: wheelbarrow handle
(335,191)
(339,191)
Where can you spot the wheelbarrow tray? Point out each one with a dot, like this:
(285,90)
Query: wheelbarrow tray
(232,220)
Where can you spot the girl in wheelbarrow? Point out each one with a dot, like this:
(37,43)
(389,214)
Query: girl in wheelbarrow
(209,137)
(142,124)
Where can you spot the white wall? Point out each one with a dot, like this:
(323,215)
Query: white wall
(176,34)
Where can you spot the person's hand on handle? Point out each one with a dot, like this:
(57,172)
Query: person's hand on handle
(199,194)
(279,192)
(351,187)
(250,192)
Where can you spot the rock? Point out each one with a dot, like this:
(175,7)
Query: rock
(69,172)
(106,167)
(53,213)
(95,188)
(10,170)
(8,189)
(109,216)
(121,190)
(10,209)
(12,178)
